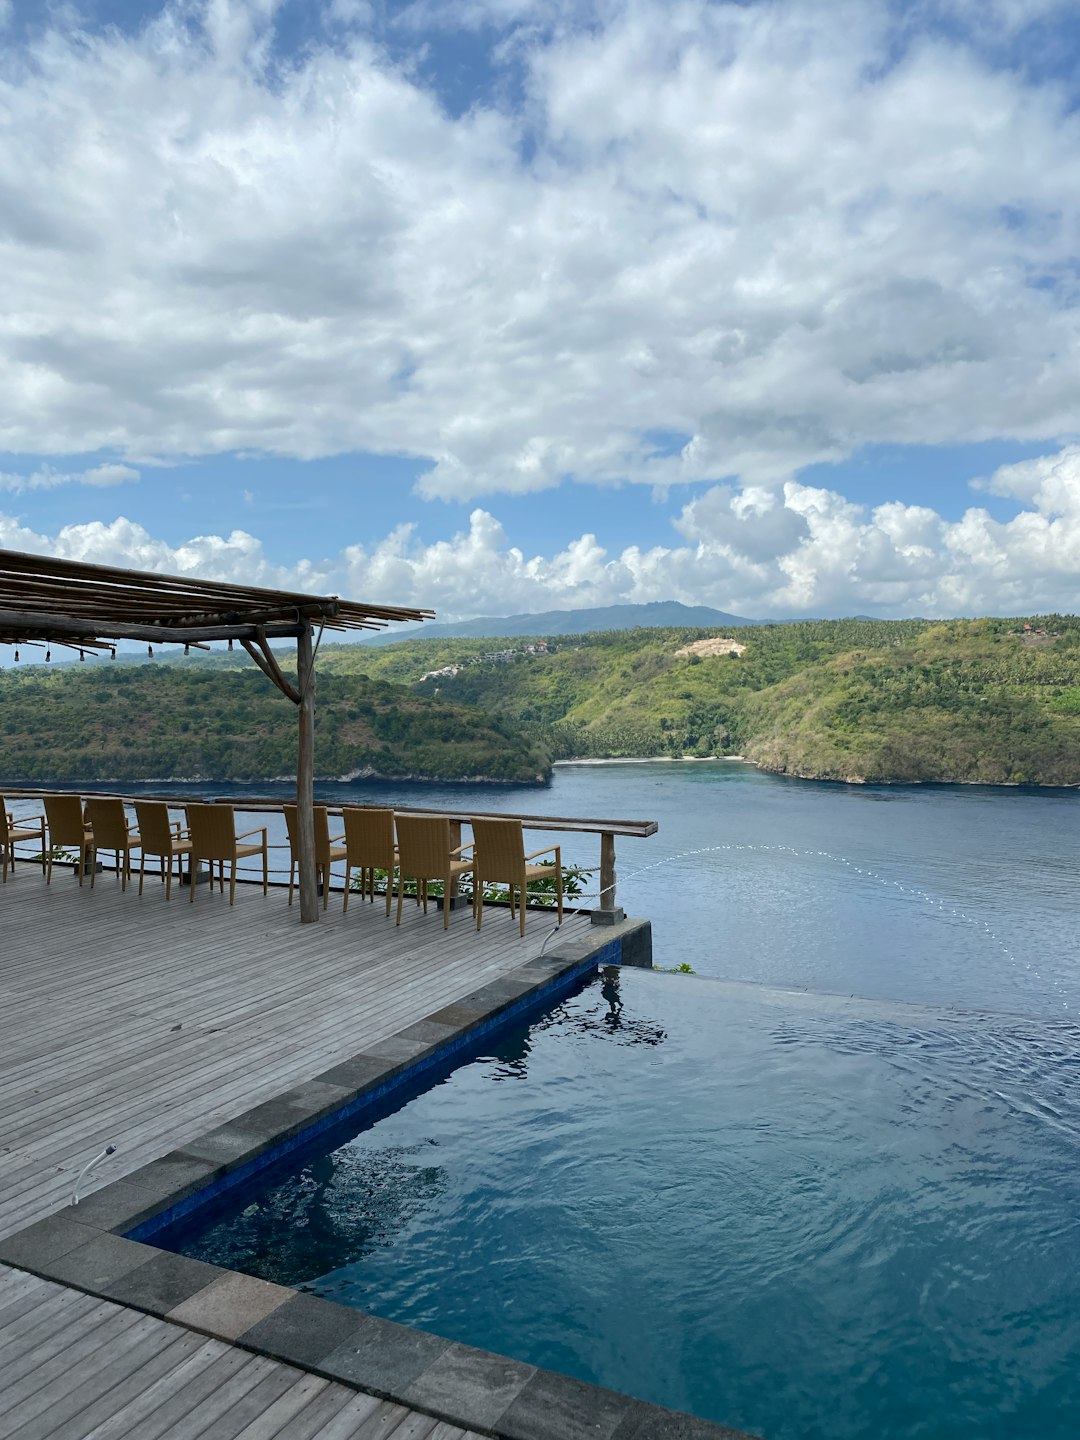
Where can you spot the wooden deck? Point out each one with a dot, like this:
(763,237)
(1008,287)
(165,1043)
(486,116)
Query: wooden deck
(76,1368)
(142,1024)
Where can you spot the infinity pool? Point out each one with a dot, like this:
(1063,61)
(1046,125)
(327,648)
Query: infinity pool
(800,1215)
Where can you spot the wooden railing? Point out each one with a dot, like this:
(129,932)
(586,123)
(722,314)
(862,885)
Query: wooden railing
(608,830)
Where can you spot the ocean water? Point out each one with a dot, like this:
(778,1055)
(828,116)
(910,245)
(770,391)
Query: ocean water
(948,895)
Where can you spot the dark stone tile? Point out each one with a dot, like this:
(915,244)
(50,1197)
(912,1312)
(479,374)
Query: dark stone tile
(554,1407)
(174,1176)
(653,1422)
(635,941)
(384,1357)
(427,1032)
(289,1113)
(498,994)
(43,1242)
(96,1264)
(470,1387)
(400,1052)
(357,1073)
(119,1206)
(458,1017)
(304,1331)
(162,1283)
(228,1146)
(231,1304)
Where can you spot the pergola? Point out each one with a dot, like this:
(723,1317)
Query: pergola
(47,601)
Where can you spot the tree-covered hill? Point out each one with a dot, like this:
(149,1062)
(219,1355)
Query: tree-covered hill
(982,700)
(985,701)
(225,721)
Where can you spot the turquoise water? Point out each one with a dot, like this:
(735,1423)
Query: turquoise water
(798,1215)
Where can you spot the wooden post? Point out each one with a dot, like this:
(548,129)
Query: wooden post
(607,871)
(305,778)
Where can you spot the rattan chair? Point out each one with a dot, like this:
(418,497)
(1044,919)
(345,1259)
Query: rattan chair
(327,850)
(67,826)
(499,858)
(111,831)
(162,838)
(369,846)
(214,837)
(14,832)
(424,854)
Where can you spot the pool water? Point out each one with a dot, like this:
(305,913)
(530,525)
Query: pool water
(801,1215)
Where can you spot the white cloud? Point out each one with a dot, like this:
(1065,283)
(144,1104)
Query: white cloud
(46,478)
(807,551)
(743,224)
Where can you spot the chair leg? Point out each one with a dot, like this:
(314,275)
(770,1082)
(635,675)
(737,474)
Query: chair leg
(446,906)
(401,897)
(193,870)
(558,889)
(521,906)
(325,884)
(48,868)
(389,887)
(348,882)
(232,881)
(142,869)
(478,902)
(168,876)
(93,866)
(266,871)
(292,877)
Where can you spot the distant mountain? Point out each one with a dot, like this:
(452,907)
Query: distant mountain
(658,614)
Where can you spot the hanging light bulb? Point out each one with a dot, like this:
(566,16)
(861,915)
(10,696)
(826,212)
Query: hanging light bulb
(16,657)
(48,655)
(230,642)
(150,651)
(82,654)
(187,649)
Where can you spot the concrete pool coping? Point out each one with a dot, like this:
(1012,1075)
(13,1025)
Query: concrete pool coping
(103,1246)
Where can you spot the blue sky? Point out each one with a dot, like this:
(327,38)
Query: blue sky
(525,304)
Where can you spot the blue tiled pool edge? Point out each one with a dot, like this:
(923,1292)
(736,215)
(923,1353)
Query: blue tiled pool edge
(101,1247)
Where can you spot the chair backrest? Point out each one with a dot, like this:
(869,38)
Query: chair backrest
(155,831)
(369,837)
(500,850)
(213,831)
(108,823)
(423,846)
(65,817)
(322,831)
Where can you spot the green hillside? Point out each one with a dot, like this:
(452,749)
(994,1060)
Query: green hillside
(225,721)
(860,700)
(980,700)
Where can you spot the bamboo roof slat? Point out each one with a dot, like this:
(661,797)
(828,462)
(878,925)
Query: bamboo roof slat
(46,598)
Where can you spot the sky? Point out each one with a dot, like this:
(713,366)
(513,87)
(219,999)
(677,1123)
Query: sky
(514,305)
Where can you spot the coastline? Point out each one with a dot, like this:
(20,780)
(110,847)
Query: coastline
(655,760)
